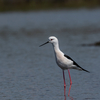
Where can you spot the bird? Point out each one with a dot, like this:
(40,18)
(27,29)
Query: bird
(63,61)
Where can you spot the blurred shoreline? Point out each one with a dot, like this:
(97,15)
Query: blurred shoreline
(29,5)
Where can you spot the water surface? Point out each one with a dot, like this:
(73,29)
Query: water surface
(28,72)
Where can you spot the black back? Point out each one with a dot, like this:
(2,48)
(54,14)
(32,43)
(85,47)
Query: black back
(75,63)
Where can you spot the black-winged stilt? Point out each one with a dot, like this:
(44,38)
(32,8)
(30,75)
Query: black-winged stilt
(63,61)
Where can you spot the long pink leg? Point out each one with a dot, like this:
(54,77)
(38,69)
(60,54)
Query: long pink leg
(70,82)
(64,84)
(70,77)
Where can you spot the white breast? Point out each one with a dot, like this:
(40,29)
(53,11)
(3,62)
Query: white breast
(62,61)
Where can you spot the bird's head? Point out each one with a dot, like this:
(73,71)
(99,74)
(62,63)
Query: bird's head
(52,39)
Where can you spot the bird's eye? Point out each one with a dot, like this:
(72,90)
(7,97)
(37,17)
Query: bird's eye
(51,39)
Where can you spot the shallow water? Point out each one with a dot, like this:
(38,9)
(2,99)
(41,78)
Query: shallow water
(28,72)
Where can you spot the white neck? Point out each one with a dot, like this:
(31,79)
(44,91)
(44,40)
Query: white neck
(56,48)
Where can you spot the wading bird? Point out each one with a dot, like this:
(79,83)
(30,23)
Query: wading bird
(63,61)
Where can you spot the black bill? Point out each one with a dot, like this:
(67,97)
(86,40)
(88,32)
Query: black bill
(44,43)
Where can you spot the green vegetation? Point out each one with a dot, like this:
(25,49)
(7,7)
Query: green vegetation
(26,5)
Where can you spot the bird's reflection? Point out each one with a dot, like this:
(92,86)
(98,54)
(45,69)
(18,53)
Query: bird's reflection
(70,97)
(69,90)
(65,97)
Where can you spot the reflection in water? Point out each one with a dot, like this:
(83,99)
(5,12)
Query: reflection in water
(65,97)
(69,89)
(71,98)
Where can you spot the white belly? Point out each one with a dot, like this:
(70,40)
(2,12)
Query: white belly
(63,62)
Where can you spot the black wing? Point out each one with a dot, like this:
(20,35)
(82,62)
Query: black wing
(75,63)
